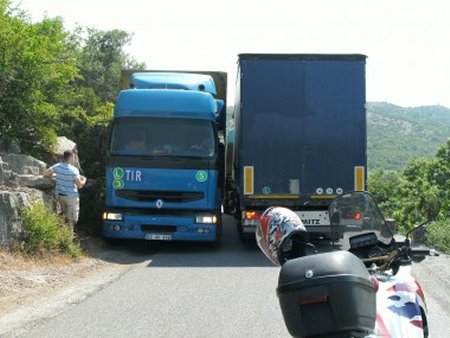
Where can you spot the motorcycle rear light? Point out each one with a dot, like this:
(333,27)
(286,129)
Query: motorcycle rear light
(313,299)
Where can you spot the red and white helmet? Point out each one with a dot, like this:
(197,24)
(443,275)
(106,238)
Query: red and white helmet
(281,235)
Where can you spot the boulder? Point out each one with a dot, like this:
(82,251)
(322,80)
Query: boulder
(63,144)
(5,172)
(24,164)
(21,184)
(35,182)
(11,203)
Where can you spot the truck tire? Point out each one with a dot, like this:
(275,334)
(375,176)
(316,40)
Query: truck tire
(218,241)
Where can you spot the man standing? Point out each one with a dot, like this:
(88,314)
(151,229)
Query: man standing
(68,181)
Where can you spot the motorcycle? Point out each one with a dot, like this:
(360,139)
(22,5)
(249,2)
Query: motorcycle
(360,285)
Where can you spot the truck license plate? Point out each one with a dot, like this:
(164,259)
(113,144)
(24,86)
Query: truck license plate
(312,218)
(158,237)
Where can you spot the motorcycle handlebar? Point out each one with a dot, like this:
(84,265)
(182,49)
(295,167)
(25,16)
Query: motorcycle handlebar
(423,252)
(414,254)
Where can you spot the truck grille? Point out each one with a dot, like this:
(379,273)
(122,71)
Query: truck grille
(158,228)
(166,196)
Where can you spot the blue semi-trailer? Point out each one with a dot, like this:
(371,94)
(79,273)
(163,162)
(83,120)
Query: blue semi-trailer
(299,136)
(164,166)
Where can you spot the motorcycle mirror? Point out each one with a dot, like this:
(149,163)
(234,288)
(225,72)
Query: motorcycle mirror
(433,210)
(430,208)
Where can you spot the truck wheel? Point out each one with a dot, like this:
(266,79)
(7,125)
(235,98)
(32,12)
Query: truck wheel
(218,241)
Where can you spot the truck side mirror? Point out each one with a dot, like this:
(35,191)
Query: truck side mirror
(220,114)
(220,105)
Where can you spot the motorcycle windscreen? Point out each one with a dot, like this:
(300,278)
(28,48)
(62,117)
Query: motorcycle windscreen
(357,220)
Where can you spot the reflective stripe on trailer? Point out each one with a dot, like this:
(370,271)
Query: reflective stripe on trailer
(248,180)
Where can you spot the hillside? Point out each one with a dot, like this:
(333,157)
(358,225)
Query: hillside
(397,134)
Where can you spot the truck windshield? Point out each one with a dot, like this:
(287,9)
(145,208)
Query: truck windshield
(163,137)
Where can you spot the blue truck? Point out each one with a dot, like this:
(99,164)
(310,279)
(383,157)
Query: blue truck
(299,136)
(164,166)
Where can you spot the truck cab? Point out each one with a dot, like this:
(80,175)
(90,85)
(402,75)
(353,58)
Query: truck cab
(164,164)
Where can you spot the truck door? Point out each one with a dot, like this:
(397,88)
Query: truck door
(272,108)
(335,126)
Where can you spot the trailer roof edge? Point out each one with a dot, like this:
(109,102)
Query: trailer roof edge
(309,57)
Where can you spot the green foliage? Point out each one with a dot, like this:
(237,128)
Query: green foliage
(101,60)
(55,82)
(94,198)
(439,235)
(397,135)
(46,233)
(384,185)
(36,68)
(410,195)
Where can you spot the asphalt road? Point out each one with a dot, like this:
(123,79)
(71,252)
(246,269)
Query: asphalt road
(190,290)
(181,290)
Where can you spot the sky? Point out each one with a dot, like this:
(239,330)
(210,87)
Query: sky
(407,41)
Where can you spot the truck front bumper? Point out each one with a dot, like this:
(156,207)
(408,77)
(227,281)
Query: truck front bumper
(158,227)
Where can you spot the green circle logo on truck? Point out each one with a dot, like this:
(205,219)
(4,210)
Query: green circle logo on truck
(266,190)
(201,176)
(118,172)
(118,184)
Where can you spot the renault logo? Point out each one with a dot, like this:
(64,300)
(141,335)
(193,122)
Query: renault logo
(159,204)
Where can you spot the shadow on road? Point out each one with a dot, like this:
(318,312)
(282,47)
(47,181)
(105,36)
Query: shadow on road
(231,253)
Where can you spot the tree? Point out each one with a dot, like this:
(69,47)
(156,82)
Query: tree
(36,68)
(101,59)
(409,195)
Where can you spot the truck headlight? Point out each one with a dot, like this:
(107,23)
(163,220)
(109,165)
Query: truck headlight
(203,219)
(112,216)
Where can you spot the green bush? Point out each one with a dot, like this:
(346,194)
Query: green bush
(47,233)
(438,235)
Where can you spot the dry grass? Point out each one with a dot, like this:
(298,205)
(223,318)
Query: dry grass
(14,259)
(24,278)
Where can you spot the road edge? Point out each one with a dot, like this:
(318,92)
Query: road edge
(26,318)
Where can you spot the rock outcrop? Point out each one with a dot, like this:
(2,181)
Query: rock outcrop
(63,144)
(11,203)
(22,184)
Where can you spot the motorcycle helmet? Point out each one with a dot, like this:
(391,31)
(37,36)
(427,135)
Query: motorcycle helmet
(281,235)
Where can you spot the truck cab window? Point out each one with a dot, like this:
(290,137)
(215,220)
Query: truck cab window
(163,137)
